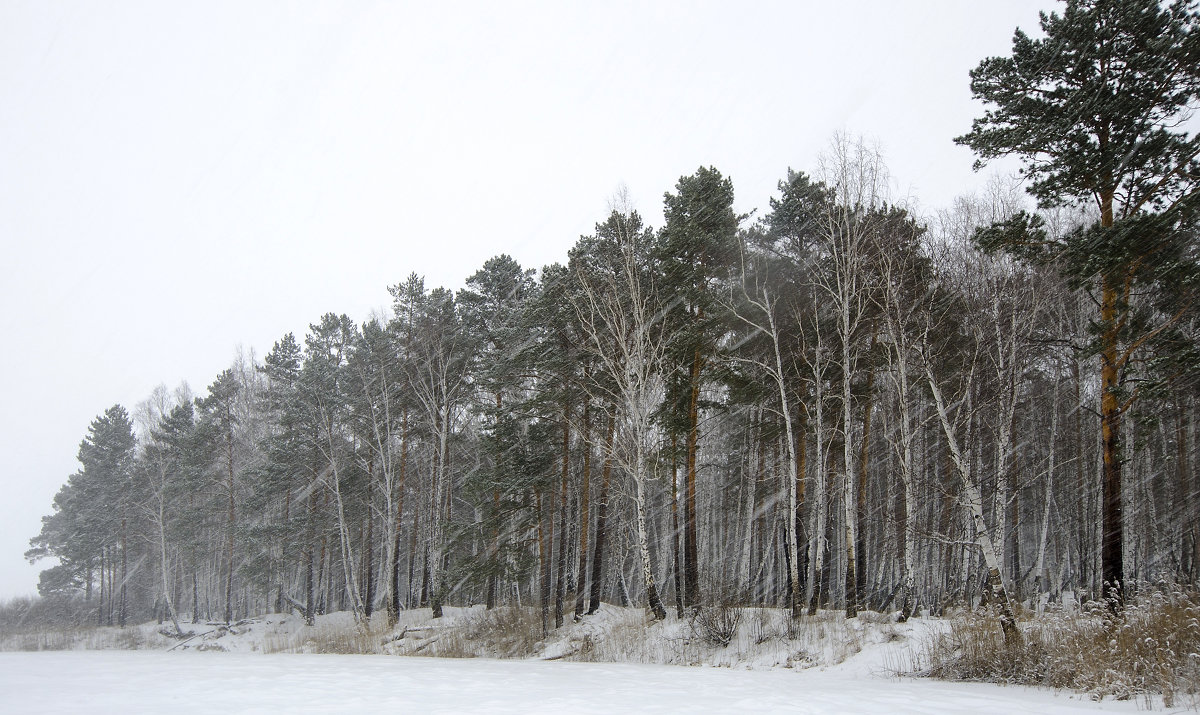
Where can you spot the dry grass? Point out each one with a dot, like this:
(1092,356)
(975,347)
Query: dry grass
(340,637)
(47,640)
(732,637)
(725,636)
(1152,648)
(499,633)
(85,638)
(628,635)
(66,623)
(478,633)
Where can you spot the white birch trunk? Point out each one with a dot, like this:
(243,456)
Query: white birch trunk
(974,503)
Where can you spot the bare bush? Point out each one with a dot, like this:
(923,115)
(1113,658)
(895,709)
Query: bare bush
(716,625)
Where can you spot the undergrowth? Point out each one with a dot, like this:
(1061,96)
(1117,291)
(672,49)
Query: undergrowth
(716,625)
(500,632)
(327,638)
(1151,648)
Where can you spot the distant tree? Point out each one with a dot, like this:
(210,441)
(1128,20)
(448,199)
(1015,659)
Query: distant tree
(791,248)
(168,460)
(439,378)
(950,358)
(557,361)
(759,308)
(904,275)
(375,394)
(324,388)
(216,428)
(89,528)
(407,301)
(587,258)
(285,483)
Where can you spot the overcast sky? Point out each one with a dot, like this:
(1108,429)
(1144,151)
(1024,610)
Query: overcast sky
(181,179)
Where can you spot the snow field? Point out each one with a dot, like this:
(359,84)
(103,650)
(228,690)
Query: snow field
(276,663)
(197,682)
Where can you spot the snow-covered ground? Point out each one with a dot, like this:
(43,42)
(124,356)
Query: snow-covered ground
(185,682)
(276,663)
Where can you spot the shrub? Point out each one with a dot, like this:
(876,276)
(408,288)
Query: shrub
(1152,647)
(716,625)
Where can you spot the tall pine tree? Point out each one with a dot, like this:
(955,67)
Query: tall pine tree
(1095,112)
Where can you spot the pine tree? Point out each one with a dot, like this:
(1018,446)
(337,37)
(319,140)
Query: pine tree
(284,481)
(439,374)
(557,362)
(698,244)
(407,301)
(493,307)
(1095,112)
(324,381)
(89,528)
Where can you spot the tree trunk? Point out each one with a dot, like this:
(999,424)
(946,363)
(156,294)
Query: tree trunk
(310,604)
(860,547)
(369,549)
(850,512)
(691,561)
(394,575)
(437,519)
(652,597)
(561,585)
(750,498)
(602,517)
(676,556)
(232,519)
(414,595)
(817,562)
(906,497)
(162,550)
(1083,534)
(490,597)
(1112,530)
(124,568)
(999,596)
(545,542)
(585,514)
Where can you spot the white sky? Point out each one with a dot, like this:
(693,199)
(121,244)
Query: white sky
(179,179)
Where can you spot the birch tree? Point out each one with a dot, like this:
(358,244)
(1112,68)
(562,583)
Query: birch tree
(857,181)
(625,326)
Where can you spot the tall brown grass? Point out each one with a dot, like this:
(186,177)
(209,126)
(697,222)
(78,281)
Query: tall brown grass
(1151,648)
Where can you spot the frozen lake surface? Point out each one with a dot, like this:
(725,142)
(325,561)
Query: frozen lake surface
(158,682)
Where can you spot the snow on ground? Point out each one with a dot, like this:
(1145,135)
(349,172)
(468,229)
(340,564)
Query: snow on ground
(274,663)
(186,682)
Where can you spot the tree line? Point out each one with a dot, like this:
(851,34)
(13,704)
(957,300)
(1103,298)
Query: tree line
(839,403)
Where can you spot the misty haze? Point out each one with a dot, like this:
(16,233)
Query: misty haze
(852,351)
